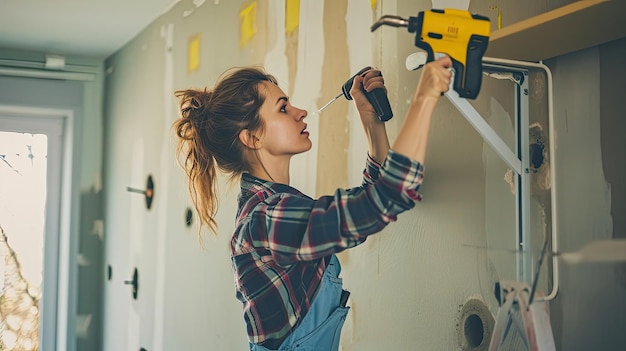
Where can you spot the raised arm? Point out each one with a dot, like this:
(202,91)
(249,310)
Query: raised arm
(375,132)
(413,136)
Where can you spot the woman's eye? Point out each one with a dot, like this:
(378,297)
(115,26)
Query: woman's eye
(283,109)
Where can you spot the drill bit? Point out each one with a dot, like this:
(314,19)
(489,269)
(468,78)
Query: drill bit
(330,102)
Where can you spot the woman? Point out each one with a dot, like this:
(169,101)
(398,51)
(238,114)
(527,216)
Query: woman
(284,245)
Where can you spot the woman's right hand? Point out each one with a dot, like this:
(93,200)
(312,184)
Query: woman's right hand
(435,79)
(412,140)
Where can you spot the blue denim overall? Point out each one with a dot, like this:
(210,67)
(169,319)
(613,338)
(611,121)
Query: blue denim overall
(321,327)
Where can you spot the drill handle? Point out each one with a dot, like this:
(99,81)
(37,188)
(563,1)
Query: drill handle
(468,77)
(377,97)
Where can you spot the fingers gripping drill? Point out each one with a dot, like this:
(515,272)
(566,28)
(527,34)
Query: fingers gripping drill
(377,97)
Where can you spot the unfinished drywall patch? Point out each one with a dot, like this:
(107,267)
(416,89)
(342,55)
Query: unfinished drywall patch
(362,54)
(332,157)
(275,59)
(261,41)
(306,90)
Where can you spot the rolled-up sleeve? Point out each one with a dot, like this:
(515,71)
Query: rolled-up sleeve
(298,228)
(398,185)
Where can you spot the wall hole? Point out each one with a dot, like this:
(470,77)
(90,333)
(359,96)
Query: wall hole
(473,330)
(536,156)
(188,216)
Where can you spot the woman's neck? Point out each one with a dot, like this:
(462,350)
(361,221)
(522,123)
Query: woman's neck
(274,171)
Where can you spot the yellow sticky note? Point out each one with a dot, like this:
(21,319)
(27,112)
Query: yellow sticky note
(373,4)
(193,53)
(247,24)
(292,15)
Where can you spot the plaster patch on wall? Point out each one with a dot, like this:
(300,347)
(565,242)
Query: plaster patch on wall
(261,42)
(539,163)
(361,55)
(306,90)
(275,59)
(333,140)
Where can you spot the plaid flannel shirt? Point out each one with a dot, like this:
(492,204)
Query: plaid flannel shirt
(282,237)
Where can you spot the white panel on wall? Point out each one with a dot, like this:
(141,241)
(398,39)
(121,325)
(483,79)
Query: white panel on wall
(307,90)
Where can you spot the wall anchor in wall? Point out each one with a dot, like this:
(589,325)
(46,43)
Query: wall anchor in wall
(134,282)
(188,217)
(148,192)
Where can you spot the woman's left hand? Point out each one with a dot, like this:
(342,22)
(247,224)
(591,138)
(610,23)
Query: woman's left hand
(375,131)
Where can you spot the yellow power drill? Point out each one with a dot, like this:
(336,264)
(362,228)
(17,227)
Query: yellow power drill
(457,33)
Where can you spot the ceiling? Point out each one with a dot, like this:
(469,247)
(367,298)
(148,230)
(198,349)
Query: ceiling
(90,28)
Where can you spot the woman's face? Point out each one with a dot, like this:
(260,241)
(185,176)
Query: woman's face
(284,131)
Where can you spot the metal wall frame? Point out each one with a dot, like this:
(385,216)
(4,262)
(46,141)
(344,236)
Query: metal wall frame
(518,159)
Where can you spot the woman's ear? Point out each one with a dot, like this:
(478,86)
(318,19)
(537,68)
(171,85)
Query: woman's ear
(248,139)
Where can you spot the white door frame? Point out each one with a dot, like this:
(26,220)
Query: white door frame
(57,294)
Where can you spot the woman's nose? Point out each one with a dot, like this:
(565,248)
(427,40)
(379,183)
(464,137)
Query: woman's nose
(302,113)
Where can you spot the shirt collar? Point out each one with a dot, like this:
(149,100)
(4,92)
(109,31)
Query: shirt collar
(251,185)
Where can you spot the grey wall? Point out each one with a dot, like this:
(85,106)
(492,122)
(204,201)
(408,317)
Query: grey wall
(589,311)
(612,124)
